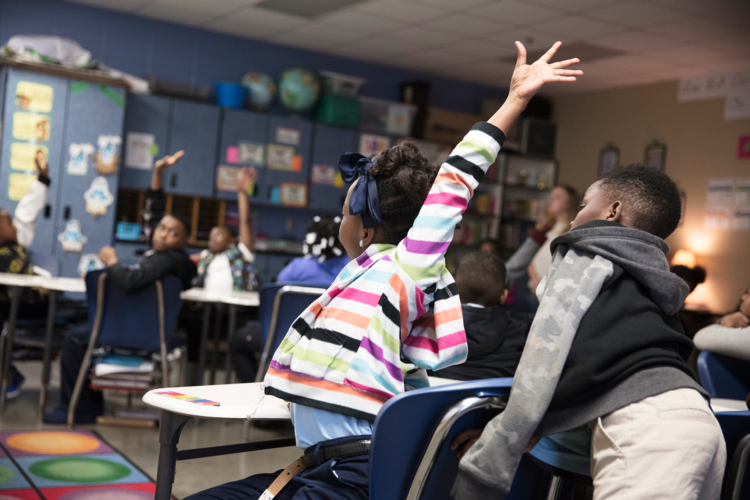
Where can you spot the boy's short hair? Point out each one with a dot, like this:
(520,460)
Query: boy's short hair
(480,278)
(185,222)
(651,195)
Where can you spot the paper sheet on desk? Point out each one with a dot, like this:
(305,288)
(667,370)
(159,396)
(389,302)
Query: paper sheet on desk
(269,408)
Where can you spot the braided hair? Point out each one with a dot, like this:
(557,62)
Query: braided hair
(322,239)
(404,177)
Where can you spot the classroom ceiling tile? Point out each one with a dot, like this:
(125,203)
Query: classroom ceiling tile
(264,20)
(695,29)
(573,5)
(532,38)
(468,25)
(292,39)
(585,52)
(483,49)
(575,27)
(419,38)
(737,46)
(402,11)
(689,54)
(635,41)
(440,57)
(452,5)
(195,12)
(241,28)
(361,21)
(515,13)
(309,9)
(318,31)
(119,5)
(636,14)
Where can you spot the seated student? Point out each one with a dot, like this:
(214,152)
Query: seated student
(731,335)
(167,257)
(226,265)
(495,337)
(606,354)
(15,235)
(392,313)
(323,260)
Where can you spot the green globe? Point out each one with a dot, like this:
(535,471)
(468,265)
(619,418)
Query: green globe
(298,89)
(261,90)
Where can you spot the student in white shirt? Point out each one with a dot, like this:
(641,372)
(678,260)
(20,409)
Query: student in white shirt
(228,265)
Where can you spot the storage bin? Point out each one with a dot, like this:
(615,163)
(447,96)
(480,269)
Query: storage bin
(230,95)
(385,117)
(336,83)
(338,111)
(128,231)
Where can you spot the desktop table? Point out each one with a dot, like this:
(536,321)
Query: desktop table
(54,285)
(234,300)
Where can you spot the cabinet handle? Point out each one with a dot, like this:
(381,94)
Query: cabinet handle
(173,180)
(47,211)
(66,213)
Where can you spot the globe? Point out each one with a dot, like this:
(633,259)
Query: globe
(261,90)
(298,89)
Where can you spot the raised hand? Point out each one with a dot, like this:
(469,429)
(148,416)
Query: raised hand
(168,160)
(527,79)
(246,178)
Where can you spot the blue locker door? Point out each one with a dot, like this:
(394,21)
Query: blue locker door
(329,144)
(17,144)
(145,114)
(287,133)
(242,127)
(94,113)
(194,128)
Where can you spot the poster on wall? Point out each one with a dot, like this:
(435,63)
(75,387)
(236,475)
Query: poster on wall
(719,198)
(98,197)
(78,164)
(18,185)
(26,156)
(741,219)
(286,135)
(107,157)
(251,153)
(373,144)
(31,127)
(293,194)
(72,239)
(139,149)
(324,174)
(31,96)
(280,157)
(226,178)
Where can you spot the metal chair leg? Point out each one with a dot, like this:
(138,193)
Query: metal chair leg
(47,348)
(217,337)
(170,427)
(737,468)
(8,344)
(230,335)
(555,488)
(204,340)
(183,367)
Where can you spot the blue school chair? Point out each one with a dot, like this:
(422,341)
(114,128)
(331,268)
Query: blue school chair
(723,376)
(280,305)
(139,324)
(735,426)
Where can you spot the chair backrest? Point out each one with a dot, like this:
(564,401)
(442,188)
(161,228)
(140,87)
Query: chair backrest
(131,321)
(724,377)
(47,262)
(416,426)
(735,426)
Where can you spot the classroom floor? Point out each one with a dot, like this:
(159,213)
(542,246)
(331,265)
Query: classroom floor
(142,445)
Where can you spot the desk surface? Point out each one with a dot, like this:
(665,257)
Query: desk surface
(238,401)
(251,299)
(52,283)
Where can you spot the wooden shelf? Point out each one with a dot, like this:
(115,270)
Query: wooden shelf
(88,75)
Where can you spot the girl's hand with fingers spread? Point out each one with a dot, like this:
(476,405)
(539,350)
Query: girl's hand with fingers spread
(168,160)
(527,79)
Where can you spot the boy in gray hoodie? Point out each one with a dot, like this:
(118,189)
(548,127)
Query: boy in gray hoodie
(606,352)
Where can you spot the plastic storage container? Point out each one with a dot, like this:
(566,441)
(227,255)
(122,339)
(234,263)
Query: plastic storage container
(385,117)
(128,231)
(338,111)
(230,95)
(336,83)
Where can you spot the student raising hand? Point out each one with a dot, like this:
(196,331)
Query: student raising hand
(246,178)
(526,81)
(157,178)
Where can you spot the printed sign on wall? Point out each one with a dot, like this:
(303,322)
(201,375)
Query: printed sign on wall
(33,96)
(98,197)
(293,194)
(18,185)
(280,157)
(107,158)
(72,239)
(323,174)
(251,152)
(139,149)
(78,164)
(31,127)
(286,135)
(25,156)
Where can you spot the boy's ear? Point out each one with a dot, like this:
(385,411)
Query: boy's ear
(614,212)
(503,297)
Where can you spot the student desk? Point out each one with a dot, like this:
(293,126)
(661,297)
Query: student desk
(234,300)
(238,402)
(54,285)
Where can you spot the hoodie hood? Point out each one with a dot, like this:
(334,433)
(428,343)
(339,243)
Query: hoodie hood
(485,327)
(640,254)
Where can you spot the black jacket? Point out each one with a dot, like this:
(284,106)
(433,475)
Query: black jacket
(154,265)
(496,339)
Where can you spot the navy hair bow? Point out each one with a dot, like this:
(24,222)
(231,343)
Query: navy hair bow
(364,198)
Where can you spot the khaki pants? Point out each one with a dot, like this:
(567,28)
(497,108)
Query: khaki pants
(668,446)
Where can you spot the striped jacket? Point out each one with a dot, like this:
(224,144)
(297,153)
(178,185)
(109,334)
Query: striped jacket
(393,312)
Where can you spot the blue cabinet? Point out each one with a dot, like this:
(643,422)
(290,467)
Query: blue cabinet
(194,128)
(147,115)
(95,115)
(328,145)
(286,133)
(18,147)
(246,131)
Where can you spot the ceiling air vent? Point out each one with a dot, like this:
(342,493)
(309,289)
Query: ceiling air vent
(308,9)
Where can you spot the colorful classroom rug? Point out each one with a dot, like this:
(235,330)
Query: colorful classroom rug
(67,465)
